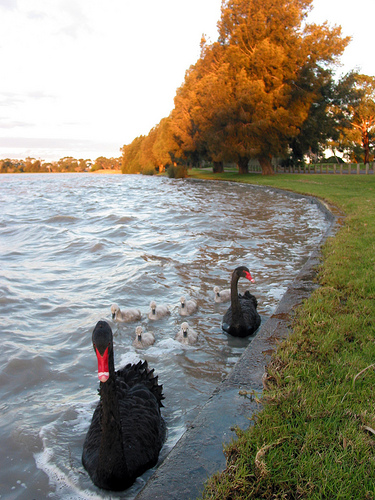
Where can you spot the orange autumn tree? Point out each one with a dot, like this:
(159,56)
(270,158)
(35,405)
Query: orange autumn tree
(354,111)
(251,91)
(362,117)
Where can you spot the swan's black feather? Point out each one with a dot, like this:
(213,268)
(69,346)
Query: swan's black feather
(245,320)
(125,440)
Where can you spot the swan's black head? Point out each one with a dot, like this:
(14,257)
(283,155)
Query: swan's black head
(243,272)
(102,339)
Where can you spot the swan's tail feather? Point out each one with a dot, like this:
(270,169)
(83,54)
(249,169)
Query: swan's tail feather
(248,296)
(141,373)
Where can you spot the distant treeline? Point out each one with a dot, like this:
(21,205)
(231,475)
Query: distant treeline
(67,164)
(265,89)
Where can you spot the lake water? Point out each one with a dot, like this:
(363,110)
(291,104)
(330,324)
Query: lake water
(73,244)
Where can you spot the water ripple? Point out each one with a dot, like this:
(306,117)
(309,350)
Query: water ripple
(70,246)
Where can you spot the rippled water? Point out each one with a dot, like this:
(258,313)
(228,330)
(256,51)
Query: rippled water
(70,246)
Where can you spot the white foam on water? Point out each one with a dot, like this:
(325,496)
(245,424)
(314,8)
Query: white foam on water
(64,483)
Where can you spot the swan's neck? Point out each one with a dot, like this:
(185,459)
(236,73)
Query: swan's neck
(235,302)
(111,442)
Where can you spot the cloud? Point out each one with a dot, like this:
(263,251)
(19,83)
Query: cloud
(8,124)
(52,149)
(8,4)
(9,99)
(40,142)
(35,15)
(76,21)
(13,98)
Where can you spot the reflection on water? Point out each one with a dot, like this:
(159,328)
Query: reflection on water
(71,245)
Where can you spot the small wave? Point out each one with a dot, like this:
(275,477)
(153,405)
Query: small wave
(65,486)
(122,220)
(88,242)
(62,219)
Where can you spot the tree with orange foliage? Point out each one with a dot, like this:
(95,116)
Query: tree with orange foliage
(251,91)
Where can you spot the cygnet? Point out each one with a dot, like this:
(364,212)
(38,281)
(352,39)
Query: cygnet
(143,339)
(186,335)
(125,316)
(158,312)
(187,307)
(221,295)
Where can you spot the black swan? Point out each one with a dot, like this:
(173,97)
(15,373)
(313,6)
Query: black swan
(127,430)
(242,318)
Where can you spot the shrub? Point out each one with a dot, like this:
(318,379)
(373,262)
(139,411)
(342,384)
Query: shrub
(177,171)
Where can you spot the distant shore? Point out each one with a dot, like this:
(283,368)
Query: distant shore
(105,171)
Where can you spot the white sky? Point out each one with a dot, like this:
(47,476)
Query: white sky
(84,77)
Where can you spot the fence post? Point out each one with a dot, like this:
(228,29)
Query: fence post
(366,168)
(357,168)
(334,168)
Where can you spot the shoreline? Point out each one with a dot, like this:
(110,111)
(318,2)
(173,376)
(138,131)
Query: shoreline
(198,454)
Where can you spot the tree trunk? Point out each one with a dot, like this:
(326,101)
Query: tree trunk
(366,145)
(243,165)
(266,165)
(218,167)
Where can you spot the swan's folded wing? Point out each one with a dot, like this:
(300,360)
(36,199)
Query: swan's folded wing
(90,454)
(143,429)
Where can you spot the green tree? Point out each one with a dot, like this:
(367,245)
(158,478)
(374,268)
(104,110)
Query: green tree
(251,92)
(6,166)
(183,127)
(277,62)
(131,153)
(147,159)
(363,115)
(321,127)
(165,147)
(67,164)
(354,111)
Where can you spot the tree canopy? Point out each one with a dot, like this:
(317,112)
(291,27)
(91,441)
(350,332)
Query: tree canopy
(264,89)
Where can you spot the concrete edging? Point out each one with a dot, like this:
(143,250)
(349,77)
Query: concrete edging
(199,452)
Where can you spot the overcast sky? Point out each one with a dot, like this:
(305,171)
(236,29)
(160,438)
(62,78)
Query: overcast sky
(84,77)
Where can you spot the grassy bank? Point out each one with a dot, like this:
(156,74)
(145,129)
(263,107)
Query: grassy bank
(315,435)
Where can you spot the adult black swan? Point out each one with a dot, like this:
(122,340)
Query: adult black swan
(127,430)
(242,318)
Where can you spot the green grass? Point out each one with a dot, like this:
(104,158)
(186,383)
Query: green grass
(314,437)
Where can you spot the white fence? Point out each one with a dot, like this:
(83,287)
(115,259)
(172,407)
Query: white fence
(322,168)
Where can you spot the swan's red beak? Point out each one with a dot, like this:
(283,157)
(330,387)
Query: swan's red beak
(249,277)
(103,368)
